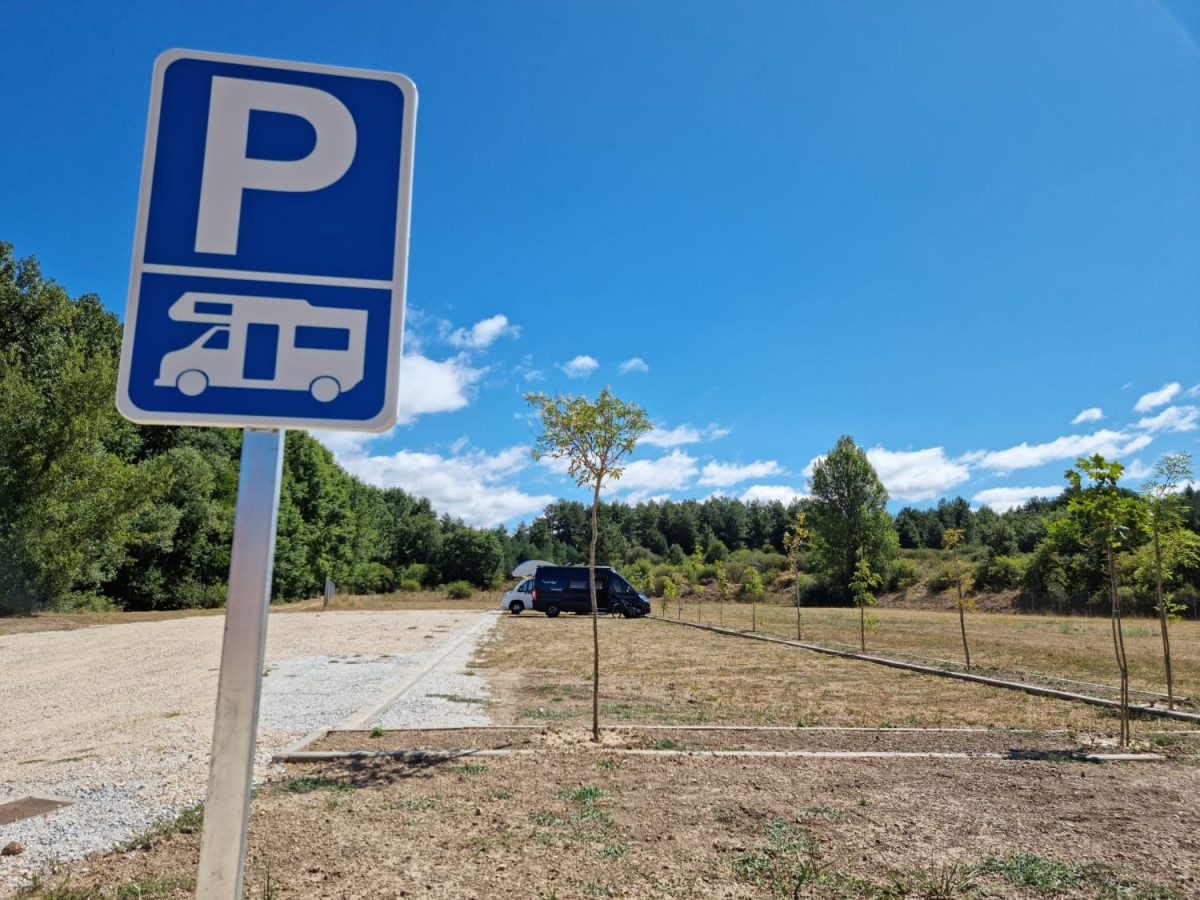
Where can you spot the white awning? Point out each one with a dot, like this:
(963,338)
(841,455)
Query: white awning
(527,568)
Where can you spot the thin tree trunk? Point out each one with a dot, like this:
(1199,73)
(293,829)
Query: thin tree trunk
(1119,647)
(862,627)
(595,622)
(962,618)
(1162,616)
(799,636)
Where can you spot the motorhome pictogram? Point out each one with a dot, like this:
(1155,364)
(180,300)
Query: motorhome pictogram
(271,343)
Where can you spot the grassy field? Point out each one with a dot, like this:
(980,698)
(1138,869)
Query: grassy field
(1071,647)
(655,672)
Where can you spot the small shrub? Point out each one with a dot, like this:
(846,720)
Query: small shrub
(902,574)
(410,586)
(459,590)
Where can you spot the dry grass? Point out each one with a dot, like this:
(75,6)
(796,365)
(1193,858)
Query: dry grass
(657,673)
(1072,647)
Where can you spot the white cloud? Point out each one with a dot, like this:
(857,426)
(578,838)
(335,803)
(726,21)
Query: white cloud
(1136,471)
(643,477)
(637,364)
(1026,456)
(684,434)
(484,333)
(1095,414)
(917,474)
(428,386)
(474,486)
(1173,418)
(580,367)
(1194,390)
(725,474)
(766,493)
(1002,499)
(1157,398)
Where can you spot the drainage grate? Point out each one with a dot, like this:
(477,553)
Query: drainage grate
(28,807)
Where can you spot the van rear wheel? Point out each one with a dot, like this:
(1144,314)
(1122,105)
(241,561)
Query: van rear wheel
(552,609)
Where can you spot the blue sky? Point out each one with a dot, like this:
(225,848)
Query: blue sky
(966,234)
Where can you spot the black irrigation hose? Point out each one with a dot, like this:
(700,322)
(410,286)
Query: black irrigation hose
(944,673)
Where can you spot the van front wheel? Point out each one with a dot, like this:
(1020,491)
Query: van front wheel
(516,606)
(191,383)
(552,609)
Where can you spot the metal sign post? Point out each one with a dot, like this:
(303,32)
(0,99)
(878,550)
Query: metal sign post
(230,776)
(266,292)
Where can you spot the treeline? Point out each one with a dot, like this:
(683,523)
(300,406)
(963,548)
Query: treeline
(97,513)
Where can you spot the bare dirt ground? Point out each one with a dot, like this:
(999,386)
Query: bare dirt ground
(650,813)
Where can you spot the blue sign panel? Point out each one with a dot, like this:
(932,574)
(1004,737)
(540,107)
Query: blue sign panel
(271,249)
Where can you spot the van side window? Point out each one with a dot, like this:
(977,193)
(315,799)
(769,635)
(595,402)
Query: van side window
(578,584)
(218,341)
(311,337)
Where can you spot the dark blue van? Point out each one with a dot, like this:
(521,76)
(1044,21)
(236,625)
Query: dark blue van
(565,589)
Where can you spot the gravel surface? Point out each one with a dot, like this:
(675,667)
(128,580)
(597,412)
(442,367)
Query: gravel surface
(119,718)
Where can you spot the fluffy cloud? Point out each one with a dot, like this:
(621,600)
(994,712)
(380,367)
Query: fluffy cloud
(637,364)
(917,474)
(1002,499)
(725,474)
(580,367)
(1026,456)
(684,434)
(472,485)
(643,477)
(1173,418)
(1157,398)
(1095,414)
(427,386)
(483,334)
(767,493)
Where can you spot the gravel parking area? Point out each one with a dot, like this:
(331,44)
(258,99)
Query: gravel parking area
(119,718)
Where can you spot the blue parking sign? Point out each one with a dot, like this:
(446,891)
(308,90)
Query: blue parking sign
(270,257)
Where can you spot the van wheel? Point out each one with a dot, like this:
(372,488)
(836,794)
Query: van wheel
(191,383)
(324,389)
(620,610)
(552,609)
(516,606)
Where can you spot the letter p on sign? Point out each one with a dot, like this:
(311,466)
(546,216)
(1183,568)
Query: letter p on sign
(228,171)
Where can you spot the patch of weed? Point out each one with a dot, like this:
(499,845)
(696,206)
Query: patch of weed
(499,795)
(551,714)
(417,804)
(187,821)
(725,815)
(942,882)
(459,698)
(468,769)
(306,784)
(1028,870)
(585,795)
(609,764)
(377,732)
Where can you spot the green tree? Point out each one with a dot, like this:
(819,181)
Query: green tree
(1162,505)
(593,438)
(1109,519)
(951,538)
(848,515)
(795,539)
(862,586)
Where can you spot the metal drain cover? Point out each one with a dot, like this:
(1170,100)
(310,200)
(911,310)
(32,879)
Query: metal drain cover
(28,807)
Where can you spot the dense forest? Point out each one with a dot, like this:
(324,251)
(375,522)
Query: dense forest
(100,513)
